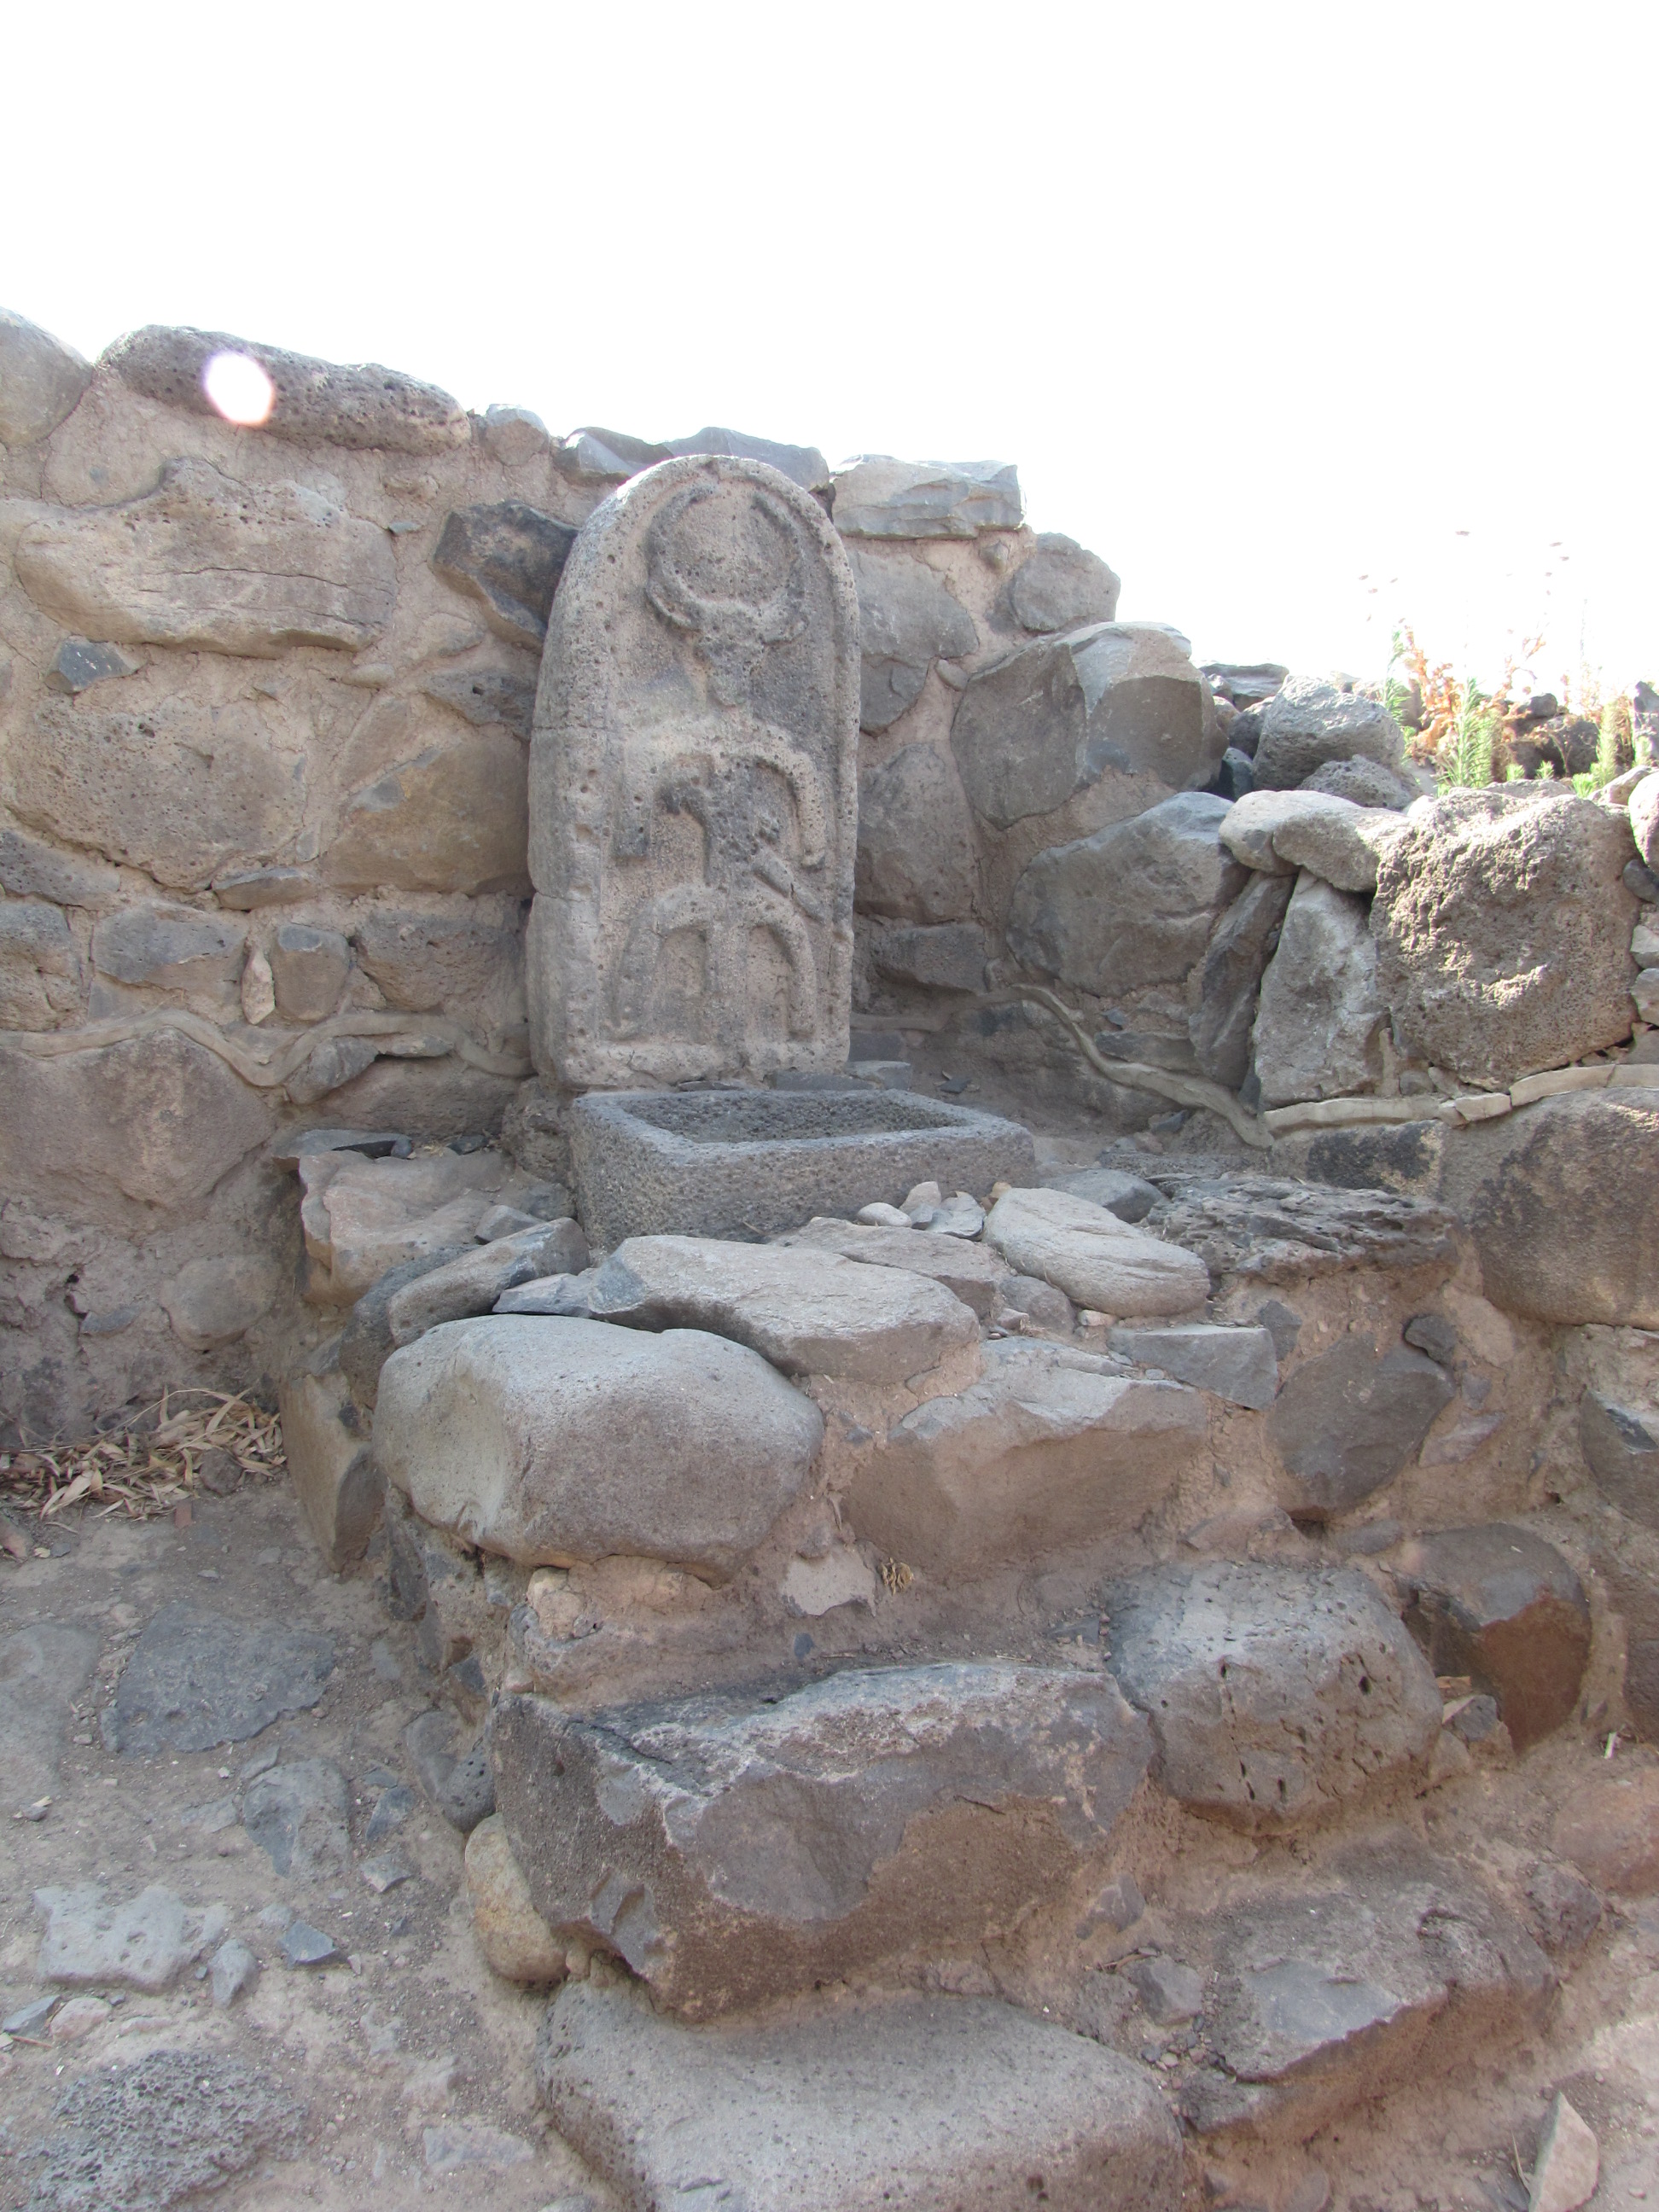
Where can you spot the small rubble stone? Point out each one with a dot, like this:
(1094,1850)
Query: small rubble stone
(1499,1604)
(41,381)
(233,1969)
(877,496)
(1223,989)
(1366,782)
(1610,1829)
(148,2136)
(1097,1259)
(1309,720)
(483,695)
(969,1271)
(32,869)
(306,1946)
(1644,820)
(1118,1905)
(384,1874)
(1569,2161)
(1621,1448)
(1433,1333)
(1238,1364)
(1130,1197)
(1274,1692)
(309,971)
(169,948)
(753,1848)
(44,1668)
(78,663)
(1059,586)
(807,1310)
(1347,1422)
(803,465)
(74,2021)
(952,2101)
(1170,1992)
(466,2146)
(28,2019)
(1050,1449)
(146,1942)
(197,1679)
(215,1301)
(462,1786)
(392,1808)
(517,1942)
(1567,1908)
(510,558)
(593,455)
(1044,1306)
(297,1813)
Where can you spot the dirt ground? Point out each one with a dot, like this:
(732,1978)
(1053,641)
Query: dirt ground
(410,2062)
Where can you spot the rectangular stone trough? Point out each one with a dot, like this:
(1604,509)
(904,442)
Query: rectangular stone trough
(753,1163)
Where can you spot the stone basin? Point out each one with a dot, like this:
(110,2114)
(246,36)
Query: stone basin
(751,1163)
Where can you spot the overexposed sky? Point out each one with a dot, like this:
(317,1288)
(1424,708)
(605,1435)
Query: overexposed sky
(1307,318)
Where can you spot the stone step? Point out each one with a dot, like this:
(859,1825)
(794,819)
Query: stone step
(926,2103)
(734,1848)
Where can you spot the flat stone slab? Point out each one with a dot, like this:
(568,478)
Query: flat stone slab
(733,1849)
(1095,1258)
(43,1669)
(1274,1692)
(1386,1962)
(754,1162)
(1268,1229)
(298,1813)
(196,1679)
(1051,1448)
(145,1942)
(969,1271)
(1239,1365)
(925,2103)
(552,1440)
(808,1312)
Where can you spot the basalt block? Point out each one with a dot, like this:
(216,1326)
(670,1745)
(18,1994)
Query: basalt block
(733,1847)
(1500,1605)
(753,1163)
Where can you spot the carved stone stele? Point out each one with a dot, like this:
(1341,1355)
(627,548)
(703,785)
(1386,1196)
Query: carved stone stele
(694,786)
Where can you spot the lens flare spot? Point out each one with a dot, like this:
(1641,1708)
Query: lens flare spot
(240,389)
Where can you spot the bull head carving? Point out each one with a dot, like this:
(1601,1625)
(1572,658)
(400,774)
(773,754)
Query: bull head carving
(731,634)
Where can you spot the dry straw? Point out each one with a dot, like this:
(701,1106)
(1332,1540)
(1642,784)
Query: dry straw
(153,1464)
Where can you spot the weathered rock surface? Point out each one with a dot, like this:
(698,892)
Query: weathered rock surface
(1135,903)
(184,791)
(298,1814)
(809,1311)
(917,2103)
(1130,1197)
(150,2136)
(454,819)
(41,381)
(1059,585)
(1095,1259)
(1385,1964)
(1050,1450)
(361,405)
(509,557)
(144,1942)
(1044,724)
(309,970)
(170,948)
(1367,782)
(1333,838)
(803,465)
(1275,1694)
(56,1116)
(949,956)
(43,1669)
(205,561)
(969,1272)
(1319,1014)
(461,1782)
(213,1302)
(1621,1446)
(326,1440)
(554,1441)
(1224,988)
(360,1217)
(916,856)
(1347,1422)
(472,1281)
(1611,1829)
(1238,1364)
(1503,930)
(1254,823)
(1266,1230)
(654,953)
(733,1850)
(877,496)
(483,695)
(512,1934)
(1500,1605)
(41,986)
(1644,819)
(908,618)
(31,870)
(197,1679)
(1562,1198)
(1309,720)
(1569,2163)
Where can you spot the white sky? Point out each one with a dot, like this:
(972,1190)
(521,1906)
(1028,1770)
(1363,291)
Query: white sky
(1269,303)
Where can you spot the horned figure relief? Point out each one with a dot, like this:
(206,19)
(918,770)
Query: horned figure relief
(724,769)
